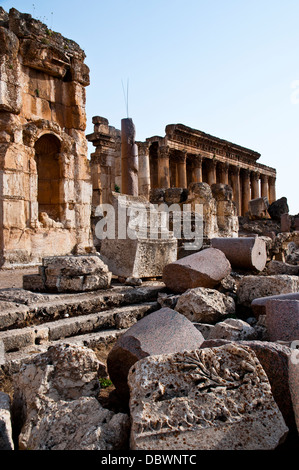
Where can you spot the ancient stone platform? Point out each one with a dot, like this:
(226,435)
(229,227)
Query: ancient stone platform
(31,322)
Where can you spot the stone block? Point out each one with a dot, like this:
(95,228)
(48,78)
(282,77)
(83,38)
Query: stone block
(233,329)
(208,399)
(33,282)
(269,353)
(248,253)
(293,384)
(258,305)
(282,320)
(285,223)
(278,208)
(160,332)
(71,266)
(6,440)
(139,258)
(255,287)
(258,208)
(97,281)
(206,268)
(205,305)
(279,267)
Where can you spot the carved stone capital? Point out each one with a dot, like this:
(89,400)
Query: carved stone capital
(163,152)
(264,178)
(235,170)
(255,175)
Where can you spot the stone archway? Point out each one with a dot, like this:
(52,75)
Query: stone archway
(47,152)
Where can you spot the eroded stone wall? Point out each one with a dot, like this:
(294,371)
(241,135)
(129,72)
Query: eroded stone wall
(45,187)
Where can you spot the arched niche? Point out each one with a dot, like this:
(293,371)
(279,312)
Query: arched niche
(47,157)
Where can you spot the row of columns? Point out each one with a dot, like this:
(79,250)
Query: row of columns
(247,184)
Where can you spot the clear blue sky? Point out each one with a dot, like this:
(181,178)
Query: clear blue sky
(225,67)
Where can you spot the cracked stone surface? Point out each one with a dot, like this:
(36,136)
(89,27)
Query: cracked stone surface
(210,399)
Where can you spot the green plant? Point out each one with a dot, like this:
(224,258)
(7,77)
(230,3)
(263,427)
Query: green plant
(117,188)
(105,382)
(37,92)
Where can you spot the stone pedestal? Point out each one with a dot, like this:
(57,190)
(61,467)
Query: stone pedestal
(143,245)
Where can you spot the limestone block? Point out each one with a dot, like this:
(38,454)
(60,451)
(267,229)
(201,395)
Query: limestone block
(72,94)
(160,332)
(269,353)
(209,399)
(258,208)
(35,108)
(203,269)
(279,267)
(12,157)
(13,214)
(243,253)
(40,84)
(68,284)
(201,193)
(10,88)
(233,329)
(278,208)
(57,392)
(33,282)
(70,266)
(83,191)
(13,185)
(205,305)
(139,258)
(6,441)
(255,287)
(294,383)
(97,281)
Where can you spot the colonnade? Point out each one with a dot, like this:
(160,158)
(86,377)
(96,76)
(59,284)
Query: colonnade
(163,167)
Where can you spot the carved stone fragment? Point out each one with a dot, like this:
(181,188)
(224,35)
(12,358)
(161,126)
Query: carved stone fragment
(209,399)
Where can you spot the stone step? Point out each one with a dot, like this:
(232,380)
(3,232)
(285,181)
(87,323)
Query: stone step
(118,318)
(20,308)
(15,360)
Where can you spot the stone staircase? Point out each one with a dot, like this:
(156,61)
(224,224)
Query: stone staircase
(31,322)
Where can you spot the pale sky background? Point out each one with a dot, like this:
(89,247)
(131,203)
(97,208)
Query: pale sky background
(229,68)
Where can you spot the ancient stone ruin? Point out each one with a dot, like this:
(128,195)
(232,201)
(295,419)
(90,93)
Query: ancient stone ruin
(166,336)
(46,183)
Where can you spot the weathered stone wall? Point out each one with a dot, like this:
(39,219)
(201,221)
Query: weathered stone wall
(45,188)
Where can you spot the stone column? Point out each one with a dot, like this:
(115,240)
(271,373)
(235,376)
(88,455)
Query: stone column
(144,179)
(255,187)
(129,158)
(163,167)
(235,176)
(182,173)
(272,189)
(197,170)
(246,197)
(211,165)
(264,186)
(223,172)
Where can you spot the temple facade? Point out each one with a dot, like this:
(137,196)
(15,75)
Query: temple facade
(183,156)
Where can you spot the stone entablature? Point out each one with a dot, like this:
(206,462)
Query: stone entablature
(45,198)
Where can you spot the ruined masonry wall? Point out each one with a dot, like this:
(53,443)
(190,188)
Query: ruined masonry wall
(45,189)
